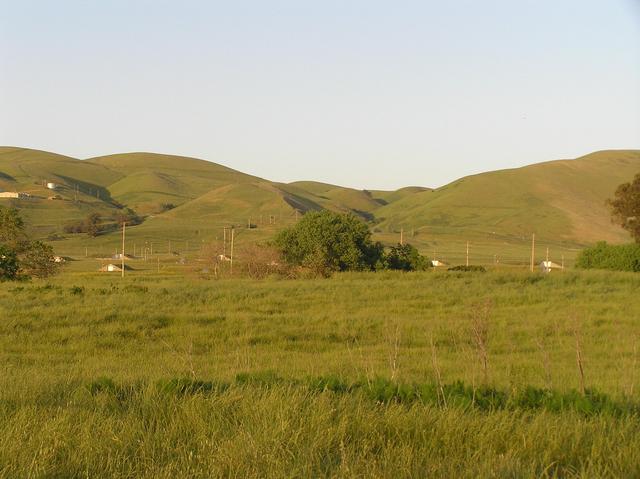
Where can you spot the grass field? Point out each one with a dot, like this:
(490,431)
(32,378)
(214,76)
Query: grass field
(430,374)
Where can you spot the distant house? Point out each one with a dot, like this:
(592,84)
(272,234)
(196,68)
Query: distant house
(435,263)
(547,266)
(52,186)
(113,268)
(59,259)
(14,194)
(222,257)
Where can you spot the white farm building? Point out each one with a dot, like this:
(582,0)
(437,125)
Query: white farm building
(13,194)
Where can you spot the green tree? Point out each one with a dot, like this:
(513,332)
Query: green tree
(326,242)
(406,257)
(9,266)
(93,225)
(38,260)
(18,254)
(12,228)
(625,207)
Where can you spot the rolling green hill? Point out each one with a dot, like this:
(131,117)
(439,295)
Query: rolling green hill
(147,179)
(562,199)
(182,198)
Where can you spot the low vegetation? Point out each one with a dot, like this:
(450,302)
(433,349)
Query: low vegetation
(624,257)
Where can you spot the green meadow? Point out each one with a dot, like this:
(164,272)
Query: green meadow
(433,374)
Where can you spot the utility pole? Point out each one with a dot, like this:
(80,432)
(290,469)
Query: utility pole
(224,243)
(562,262)
(401,236)
(467,253)
(533,250)
(547,254)
(232,236)
(124,227)
(158,264)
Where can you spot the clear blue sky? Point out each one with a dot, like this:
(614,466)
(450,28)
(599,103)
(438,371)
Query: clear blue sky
(363,93)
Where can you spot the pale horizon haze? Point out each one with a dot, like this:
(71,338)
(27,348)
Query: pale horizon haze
(367,94)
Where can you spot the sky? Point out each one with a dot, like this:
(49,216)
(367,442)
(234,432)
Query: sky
(362,93)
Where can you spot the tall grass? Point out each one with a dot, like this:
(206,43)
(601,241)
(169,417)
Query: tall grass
(361,375)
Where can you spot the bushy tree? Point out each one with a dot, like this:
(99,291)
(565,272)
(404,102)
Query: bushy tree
(38,260)
(406,257)
(12,231)
(92,225)
(326,242)
(9,266)
(20,256)
(625,207)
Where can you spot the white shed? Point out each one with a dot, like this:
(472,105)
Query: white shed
(113,268)
(547,266)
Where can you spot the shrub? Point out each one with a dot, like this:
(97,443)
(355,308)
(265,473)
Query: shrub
(613,257)
(471,268)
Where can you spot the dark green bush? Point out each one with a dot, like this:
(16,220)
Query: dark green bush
(406,257)
(624,257)
(325,242)
(471,268)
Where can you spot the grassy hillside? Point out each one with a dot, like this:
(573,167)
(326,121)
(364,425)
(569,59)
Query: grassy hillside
(563,202)
(81,188)
(562,199)
(148,179)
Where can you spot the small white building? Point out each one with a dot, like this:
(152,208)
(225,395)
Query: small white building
(14,194)
(547,266)
(59,259)
(222,257)
(435,263)
(52,186)
(112,268)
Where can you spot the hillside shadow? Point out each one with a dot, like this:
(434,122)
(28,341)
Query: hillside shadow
(90,189)
(5,176)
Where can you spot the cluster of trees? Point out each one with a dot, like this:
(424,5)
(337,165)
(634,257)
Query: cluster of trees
(325,242)
(19,256)
(92,225)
